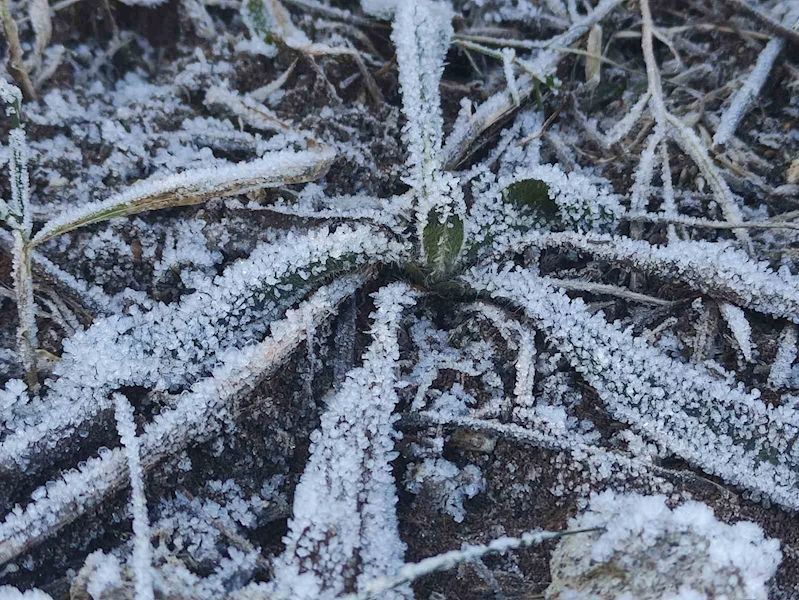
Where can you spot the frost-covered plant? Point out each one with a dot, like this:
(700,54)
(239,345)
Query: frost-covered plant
(16,213)
(495,346)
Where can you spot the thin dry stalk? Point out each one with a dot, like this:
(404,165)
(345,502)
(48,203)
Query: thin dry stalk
(746,95)
(574,285)
(26,327)
(706,223)
(16,64)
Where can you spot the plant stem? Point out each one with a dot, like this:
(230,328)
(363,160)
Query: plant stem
(26,328)
(16,66)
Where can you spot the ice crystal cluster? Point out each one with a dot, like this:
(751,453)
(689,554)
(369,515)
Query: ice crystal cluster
(647,550)
(313,300)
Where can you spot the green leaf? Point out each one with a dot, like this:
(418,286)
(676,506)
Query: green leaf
(442,242)
(532,193)
(257,17)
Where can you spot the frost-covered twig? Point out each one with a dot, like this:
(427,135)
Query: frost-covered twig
(705,223)
(603,289)
(748,92)
(331,12)
(263,92)
(443,562)
(624,125)
(196,416)
(194,187)
(721,428)
(773,25)
(344,528)
(141,560)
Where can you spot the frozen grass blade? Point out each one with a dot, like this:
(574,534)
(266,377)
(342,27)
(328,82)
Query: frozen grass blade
(141,560)
(421,35)
(17,214)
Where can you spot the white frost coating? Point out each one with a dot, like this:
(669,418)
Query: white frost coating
(195,186)
(745,96)
(13,395)
(717,269)
(650,552)
(723,429)
(197,416)
(8,592)
(382,9)
(780,373)
(447,485)
(583,204)
(740,328)
(642,186)
(172,345)
(620,129)
(105,574)
(421,35)
(343,531)
(141,561)
(521,339)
